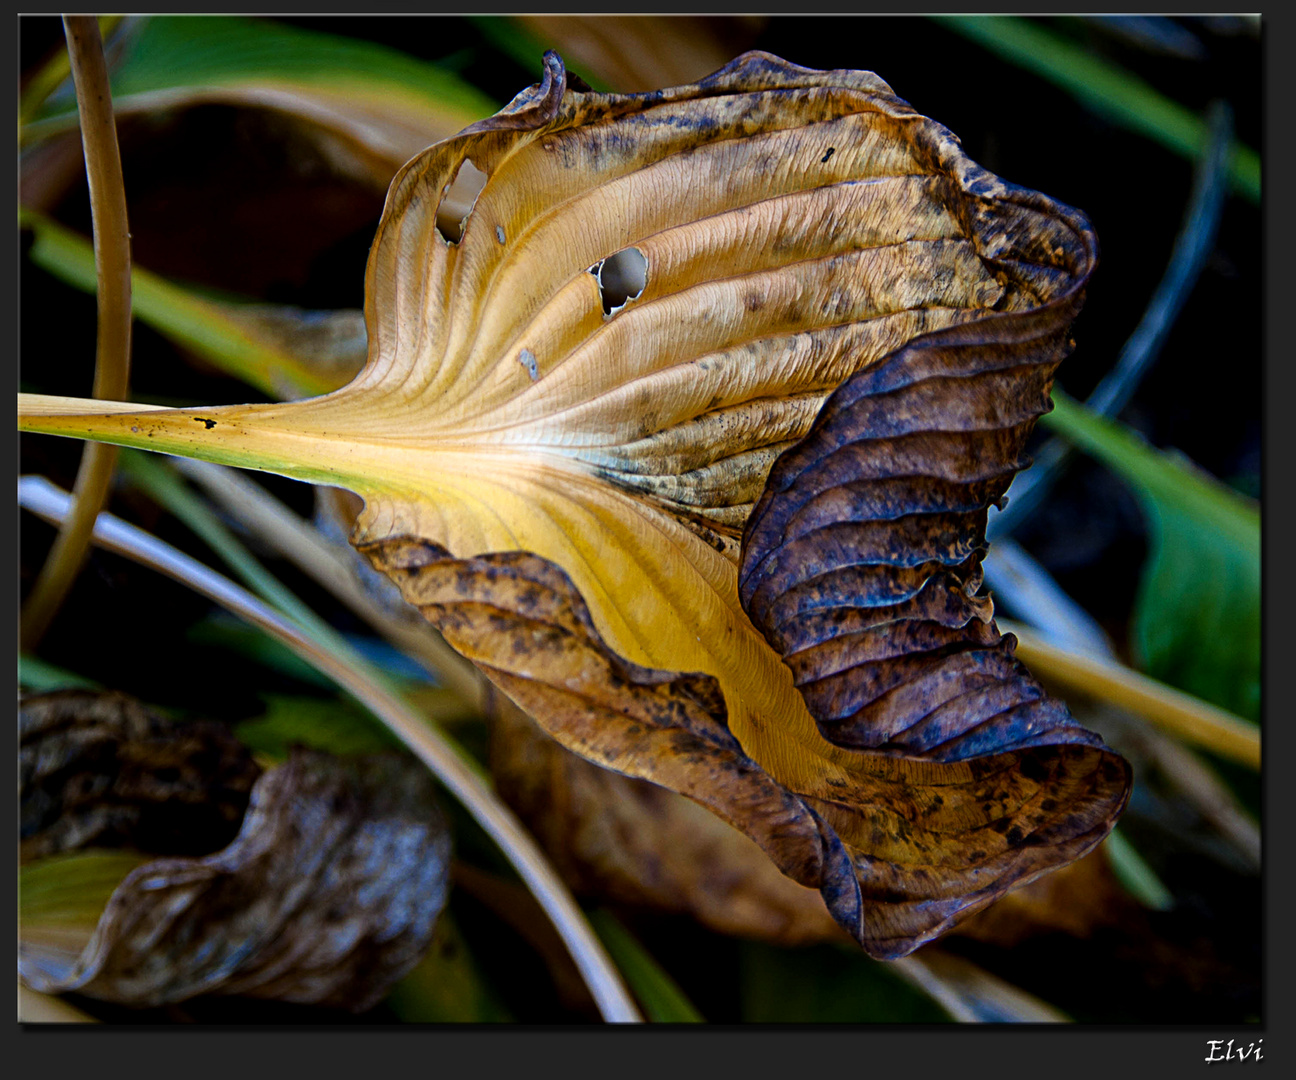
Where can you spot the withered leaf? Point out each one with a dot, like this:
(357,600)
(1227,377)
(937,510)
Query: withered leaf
(328,895)
(861,565)
(632,842)
(595,323)
(100,769)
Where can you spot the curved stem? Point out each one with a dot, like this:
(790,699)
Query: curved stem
(112,355)
(458,776)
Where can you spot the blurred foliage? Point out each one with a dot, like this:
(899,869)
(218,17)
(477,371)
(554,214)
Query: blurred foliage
(1196,621)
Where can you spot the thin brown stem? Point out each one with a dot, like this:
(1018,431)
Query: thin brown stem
(113,345)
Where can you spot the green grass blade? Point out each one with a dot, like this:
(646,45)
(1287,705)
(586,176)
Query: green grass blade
(1103,87)
(1196,622)
(337,726)
(662,1000)
(1139,879)
(827,984)
(210,329)
(182,54)
(446,986)
(170,491)
(38,677)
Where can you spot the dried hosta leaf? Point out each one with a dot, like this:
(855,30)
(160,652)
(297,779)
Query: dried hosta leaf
(861,565)
(633,842)
(328,895)
(595,322)
(101,769)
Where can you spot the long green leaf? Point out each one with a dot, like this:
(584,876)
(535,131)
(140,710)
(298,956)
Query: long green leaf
(662,999)
(446,987)
(1138,878)
(211,329)
(38,677)
(827,985)
(1196,619)
(336,726)
(1105,88)
(177,54)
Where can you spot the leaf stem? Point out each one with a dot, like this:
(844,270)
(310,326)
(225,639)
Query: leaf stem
(112,354)
(431,746)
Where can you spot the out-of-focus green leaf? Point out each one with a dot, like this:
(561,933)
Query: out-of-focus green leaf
(1197,616)
(225,632)
(61,897)
(1105,88)
(335,725)
(446,987)
(511,36)
(38,677)
(662,1000)
(1139,879)
(246,342)
(384,102)
(56,71)
(827,985)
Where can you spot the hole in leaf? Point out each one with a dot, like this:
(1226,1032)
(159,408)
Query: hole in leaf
(621,278)
(458,201)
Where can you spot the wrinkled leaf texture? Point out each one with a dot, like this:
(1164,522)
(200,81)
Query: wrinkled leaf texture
(326,892)
(861,562)
(573,488)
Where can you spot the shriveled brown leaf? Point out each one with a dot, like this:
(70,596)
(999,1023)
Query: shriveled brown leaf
(100,769)
(629,841)
(558,467)
(328,895)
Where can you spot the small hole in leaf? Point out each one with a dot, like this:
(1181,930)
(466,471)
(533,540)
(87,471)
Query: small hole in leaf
(621,278)
(527,359)
(458,201)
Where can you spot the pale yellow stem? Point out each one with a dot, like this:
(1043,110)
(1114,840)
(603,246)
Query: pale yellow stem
(1190,718)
